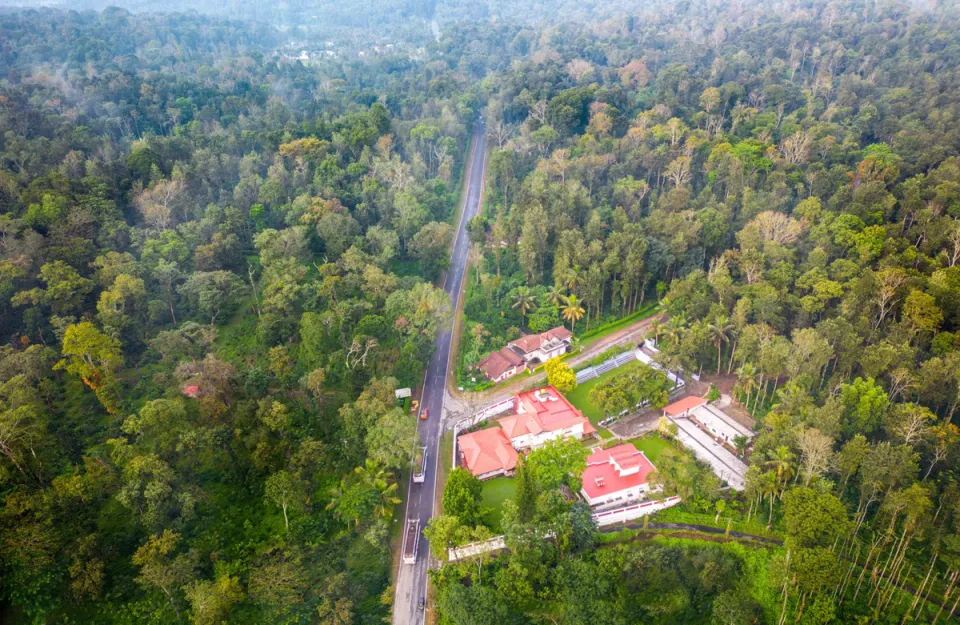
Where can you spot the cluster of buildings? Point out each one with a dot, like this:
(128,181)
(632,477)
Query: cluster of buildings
(613,476)
(711,435)
(537,417)
(525,352)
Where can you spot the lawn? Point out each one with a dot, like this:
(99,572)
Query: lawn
(495,492)
(651,446)
(580,396)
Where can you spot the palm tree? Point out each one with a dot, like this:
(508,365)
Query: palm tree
(769,487)
(721,331)
(572,277)
(781,462)
(375,475)
(524,301)
(748,380)
(555,295)
(672,331)
(572,310)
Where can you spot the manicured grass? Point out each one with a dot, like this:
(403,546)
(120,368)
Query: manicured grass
(495,492)
(651,446)
(580,396)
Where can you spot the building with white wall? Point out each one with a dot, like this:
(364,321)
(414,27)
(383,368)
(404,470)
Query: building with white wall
(616,476)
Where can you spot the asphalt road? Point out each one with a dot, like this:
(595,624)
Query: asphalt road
(411,580)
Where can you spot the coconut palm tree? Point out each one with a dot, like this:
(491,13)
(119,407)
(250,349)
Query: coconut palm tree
(555,295)
(769,486)
(573,310)
(781,462)
(721,331)
(375,475)
(524,301)
(572,277)
(748,380)
(672,331)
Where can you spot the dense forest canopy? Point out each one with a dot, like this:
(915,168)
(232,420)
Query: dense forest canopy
(219,260)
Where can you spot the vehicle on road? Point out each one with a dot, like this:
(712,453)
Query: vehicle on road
(421,603)
(423,413)
(411,541)
(420,466)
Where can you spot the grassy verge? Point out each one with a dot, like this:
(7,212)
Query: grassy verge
(495,492)
(679,514)
(444,464)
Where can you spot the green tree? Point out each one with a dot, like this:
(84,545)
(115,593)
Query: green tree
(211,601)
(558,461)
(381,480)
(524,301)
(213,292)
(431,245)
(161,569)
(462,496)
(286,490)
(94,357)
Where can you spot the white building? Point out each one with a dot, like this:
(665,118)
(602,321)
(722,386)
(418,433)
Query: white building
(541,415)
(616,476)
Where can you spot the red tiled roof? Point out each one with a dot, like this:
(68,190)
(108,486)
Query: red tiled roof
(681,406)
(527,343)
(191,390)
(543,410)
(487,450)
(531,342)
(497,363)
(560,333)
(605,468)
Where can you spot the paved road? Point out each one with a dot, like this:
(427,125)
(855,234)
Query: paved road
(411,579)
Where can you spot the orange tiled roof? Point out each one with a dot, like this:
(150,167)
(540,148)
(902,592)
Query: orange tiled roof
(487,450)
(543,410)
(681,406)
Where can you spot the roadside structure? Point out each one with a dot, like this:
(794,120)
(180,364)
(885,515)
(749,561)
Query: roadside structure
(525,352)
(487,453)
(501,364)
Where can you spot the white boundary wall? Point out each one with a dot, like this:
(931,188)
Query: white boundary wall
(473,549)
(609,517)
(628,513)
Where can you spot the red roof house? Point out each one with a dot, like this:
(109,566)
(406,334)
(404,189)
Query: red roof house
(542,414)
(501,364)
(536,348)
(487,453)
(616,475)
(681,407)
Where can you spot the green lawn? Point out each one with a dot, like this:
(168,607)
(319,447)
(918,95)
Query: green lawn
(651,446)
(495,492)
(580,396)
